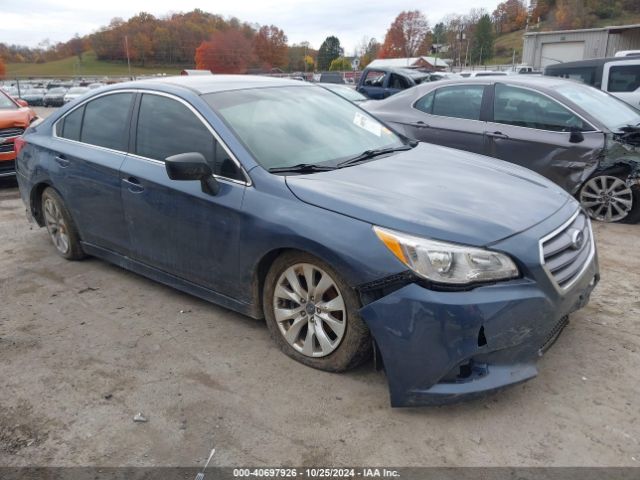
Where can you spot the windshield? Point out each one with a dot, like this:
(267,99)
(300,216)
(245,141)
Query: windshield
(5,102)
(286,126)
(607,109)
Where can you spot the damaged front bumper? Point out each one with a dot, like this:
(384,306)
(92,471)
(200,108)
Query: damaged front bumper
(438,347)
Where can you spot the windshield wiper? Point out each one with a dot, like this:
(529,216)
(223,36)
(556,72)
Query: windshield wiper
(368,154)
(302,168)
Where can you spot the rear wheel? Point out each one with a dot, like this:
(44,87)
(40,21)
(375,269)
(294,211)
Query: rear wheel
(62,230)
(312,314)
(608,198)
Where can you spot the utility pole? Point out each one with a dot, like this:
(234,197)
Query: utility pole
(126,46)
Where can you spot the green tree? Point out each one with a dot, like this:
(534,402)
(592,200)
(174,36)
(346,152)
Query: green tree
(482,49)
(340,64)
(329,51)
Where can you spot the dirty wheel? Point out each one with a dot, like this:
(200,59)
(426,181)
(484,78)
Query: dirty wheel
(312,314)
(60,226)
(608,198)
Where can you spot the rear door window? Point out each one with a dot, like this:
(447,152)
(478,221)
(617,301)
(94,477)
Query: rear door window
(624,78)
(526,108)
(398,82)
(106,121)
(167,127)
(459,101)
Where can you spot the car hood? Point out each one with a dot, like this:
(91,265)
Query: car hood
(20,117)
(436,192)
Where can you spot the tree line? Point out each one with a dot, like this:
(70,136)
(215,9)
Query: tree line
(229,45)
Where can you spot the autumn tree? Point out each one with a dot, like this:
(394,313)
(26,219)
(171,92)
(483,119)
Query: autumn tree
(510,16)
(227,52)
(329,51)
(270,47)
(3,69)
(405,36)
(340,64)
(369,49)
(301,57)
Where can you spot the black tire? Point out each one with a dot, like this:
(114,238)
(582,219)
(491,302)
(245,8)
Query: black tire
(355,346)
(74,248)
(633,215)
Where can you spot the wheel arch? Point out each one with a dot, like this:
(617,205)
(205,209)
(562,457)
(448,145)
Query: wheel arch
(35,200)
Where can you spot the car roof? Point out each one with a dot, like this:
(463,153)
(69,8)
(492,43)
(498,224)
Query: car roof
(594,62)
(542,82)
(203,84)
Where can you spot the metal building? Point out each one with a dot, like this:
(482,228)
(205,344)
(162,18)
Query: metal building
(546,48)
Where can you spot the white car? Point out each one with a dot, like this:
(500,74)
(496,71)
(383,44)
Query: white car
(74,93)
(627,53)
(482,73)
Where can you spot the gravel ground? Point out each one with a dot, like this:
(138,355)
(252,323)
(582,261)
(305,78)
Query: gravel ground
(84,346)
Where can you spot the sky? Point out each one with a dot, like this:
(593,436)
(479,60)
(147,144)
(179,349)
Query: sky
(28,22)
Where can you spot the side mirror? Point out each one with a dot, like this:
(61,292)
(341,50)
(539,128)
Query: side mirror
(192,166)
(576,136)
(22,103)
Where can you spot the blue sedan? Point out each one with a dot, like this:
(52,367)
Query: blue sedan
(283,201)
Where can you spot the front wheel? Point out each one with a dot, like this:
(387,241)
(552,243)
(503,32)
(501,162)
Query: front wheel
(608,198)
(312,314)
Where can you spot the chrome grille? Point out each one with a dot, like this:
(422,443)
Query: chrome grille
(11,132)
(567,251)
(6,147)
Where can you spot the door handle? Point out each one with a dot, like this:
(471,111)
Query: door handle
(133,185)
(63,162)
(497,135)
(419,124)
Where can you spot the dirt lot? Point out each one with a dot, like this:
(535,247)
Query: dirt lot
(84,346)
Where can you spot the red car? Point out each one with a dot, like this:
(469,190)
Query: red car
(15,116)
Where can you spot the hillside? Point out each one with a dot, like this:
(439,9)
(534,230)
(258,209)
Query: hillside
(90,66)
(505,44)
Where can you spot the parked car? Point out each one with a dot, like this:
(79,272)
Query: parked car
(73,93)
(382,82)
(282,200)
(55,97)
(15,116)
(93,86)
(618,76)
(482,73)
(346,92)
(331,77)
(34,96)
(586,141)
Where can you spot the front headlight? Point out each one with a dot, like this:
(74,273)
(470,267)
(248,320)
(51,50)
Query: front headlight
(443,262)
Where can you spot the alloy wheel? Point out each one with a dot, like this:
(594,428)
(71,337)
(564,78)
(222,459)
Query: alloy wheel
(309,310)
(56,226)
(606,198)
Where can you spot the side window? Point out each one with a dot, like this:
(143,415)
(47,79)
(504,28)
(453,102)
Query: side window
(624,78)
(526,108)
(459,101)
(374,79)
(167,127)
(398,82)
(425,104)
(585,75)
(105,121)
(70,127)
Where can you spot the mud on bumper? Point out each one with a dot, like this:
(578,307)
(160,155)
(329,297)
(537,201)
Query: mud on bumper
(441,347)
